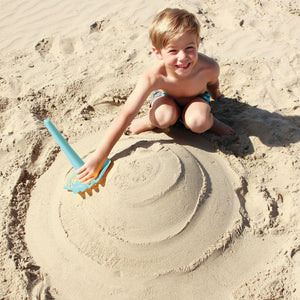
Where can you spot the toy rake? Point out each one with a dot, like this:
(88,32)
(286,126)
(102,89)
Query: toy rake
(72,183)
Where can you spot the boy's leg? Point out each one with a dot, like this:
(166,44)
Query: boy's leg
(198,118)
(163,113)
(221,128)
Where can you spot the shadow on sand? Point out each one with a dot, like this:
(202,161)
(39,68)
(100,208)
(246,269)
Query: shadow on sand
(272,129)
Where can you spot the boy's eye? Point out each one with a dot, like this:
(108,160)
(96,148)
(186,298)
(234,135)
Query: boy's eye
(172,51)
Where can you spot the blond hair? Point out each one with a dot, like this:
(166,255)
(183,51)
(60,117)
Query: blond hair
(170,24)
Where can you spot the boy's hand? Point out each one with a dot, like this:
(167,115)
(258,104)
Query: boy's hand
(217,94)
(90,169)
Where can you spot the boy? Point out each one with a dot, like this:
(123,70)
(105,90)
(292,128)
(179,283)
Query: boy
(180,81)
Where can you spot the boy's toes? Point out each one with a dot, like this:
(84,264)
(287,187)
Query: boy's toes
(127,131)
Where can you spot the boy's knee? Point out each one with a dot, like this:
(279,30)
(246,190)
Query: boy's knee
(199,124)
(164,118)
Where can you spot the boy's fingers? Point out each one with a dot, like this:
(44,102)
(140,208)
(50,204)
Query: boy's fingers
(80,170)
(83,180)
(83,174)
(80,176)
(86,180)
(85,177)
(80,173)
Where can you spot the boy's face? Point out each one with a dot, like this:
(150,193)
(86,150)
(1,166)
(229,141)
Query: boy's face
(181,55)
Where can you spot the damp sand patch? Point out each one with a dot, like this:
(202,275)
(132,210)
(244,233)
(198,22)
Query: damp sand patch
(166,205)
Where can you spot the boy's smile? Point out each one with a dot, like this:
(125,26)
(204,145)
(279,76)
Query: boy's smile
(183,67)
(180,55)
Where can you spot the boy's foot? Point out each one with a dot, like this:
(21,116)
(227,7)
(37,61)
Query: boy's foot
(221,128)
(139,125)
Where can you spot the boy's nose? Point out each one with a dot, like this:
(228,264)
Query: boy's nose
(181,55)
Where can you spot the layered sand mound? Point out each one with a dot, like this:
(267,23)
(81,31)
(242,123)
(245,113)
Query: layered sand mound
(163,208)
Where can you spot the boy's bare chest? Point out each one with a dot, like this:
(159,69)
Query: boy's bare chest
(185,90)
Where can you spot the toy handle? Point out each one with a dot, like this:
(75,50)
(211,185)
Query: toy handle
(72,156)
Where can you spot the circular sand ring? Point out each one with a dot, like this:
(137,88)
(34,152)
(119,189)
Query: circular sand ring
(163,207)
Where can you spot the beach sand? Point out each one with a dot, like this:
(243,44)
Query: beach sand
(178,215)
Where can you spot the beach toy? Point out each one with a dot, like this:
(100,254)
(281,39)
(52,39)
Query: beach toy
(72,182)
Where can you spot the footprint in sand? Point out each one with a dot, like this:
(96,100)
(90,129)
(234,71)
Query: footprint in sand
(44,46)
(96,26)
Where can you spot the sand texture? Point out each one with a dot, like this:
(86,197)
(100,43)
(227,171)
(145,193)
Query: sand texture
(178,215)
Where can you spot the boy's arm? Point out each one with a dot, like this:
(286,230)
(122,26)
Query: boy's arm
(213,84)
(213,89)
(132,106)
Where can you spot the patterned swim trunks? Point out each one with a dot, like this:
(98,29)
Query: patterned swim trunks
(158,93)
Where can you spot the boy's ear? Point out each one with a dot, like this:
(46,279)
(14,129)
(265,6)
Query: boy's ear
(157,53)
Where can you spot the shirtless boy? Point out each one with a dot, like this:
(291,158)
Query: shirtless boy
(181,81)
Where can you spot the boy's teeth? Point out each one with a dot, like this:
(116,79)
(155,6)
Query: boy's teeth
(182,66)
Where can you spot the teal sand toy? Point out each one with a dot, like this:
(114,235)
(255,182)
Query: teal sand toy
(72,183)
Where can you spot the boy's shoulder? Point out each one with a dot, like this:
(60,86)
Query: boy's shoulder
(209,67)
(206,60)
(155,72)
(157,68)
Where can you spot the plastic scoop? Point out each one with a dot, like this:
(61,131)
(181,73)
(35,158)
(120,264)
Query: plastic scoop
(72,183)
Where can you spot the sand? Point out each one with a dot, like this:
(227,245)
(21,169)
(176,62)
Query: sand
(178,215)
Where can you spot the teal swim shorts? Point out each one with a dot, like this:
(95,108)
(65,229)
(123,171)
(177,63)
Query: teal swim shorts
(157,93)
